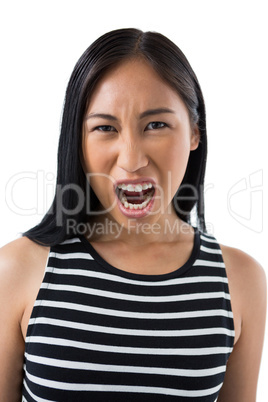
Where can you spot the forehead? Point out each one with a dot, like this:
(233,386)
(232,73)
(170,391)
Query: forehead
(133,82)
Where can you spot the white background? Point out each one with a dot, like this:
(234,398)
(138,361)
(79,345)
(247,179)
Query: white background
(226,44)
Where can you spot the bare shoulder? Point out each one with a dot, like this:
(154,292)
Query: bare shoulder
(20,247)
(243,268)
(22,265)
(247,283)
(19,257)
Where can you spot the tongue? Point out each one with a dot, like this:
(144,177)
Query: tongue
(136,194)
(135,198)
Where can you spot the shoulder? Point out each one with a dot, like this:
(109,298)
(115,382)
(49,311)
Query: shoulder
(21,264)
(243,268)
(248,288)
(21,270)
(247,285)
(20,255)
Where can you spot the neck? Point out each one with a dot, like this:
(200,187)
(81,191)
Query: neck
(136,233)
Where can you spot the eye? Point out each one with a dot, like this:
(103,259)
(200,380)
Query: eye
(156,125)
(105,128)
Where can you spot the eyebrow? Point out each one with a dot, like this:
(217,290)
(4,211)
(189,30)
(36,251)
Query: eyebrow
(149,112)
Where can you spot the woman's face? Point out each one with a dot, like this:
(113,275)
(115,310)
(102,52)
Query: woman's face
(137,139)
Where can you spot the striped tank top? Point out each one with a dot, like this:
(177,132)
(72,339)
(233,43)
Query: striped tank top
(98,333)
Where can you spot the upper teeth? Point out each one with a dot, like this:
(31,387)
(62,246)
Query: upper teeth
(135,187)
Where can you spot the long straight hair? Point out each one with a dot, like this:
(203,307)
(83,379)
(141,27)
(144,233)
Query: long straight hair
(74,197)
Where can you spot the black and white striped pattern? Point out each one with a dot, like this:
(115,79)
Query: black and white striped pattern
(101,334)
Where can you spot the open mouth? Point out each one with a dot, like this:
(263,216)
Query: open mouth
(135,196)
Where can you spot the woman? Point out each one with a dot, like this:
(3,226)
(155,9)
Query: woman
(114,295)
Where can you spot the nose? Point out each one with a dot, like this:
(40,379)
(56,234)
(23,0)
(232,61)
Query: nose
(131,155)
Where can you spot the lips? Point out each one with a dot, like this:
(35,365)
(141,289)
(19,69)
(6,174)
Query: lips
(135,199)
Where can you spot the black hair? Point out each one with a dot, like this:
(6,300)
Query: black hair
(72,188)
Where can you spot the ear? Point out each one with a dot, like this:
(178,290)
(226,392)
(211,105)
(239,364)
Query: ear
(195,138)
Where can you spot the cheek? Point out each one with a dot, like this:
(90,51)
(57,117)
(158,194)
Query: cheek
(173,156)
(97,158)
(103,186)
(91,159)
(97,171)
(173,160)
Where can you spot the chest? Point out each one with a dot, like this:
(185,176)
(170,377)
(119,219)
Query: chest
(158,259)
(93,333)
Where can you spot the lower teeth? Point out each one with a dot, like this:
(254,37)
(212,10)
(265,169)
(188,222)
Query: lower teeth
(128,205)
